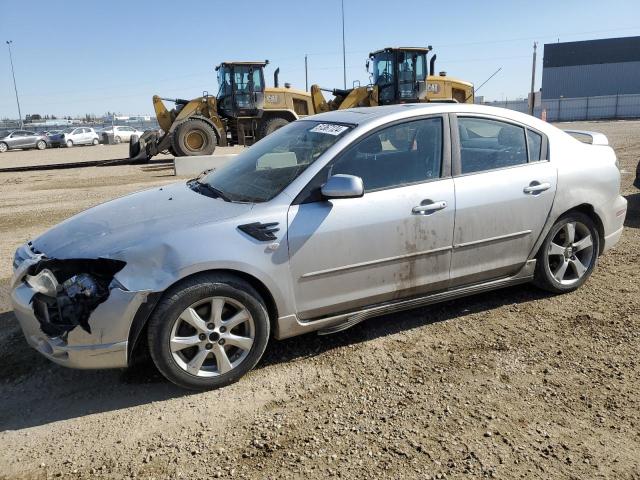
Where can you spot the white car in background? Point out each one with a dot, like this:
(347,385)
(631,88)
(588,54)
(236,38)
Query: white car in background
(121,134)
(75,136)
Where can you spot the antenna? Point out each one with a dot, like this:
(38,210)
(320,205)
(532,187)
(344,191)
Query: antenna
(482,84)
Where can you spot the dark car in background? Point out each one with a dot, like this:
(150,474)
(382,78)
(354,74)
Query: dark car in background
(23,139)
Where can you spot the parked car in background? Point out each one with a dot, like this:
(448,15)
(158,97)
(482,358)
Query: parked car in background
(122,133)
(324,223)
(49,133)
(75,136)
(23,139)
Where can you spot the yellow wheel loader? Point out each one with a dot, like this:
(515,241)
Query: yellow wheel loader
(242,112)
(399,75)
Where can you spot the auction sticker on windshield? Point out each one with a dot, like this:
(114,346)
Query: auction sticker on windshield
(329,128)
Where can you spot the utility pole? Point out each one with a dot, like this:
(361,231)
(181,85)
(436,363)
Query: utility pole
(344,57)
(9,42)
(306,74)
(533,79)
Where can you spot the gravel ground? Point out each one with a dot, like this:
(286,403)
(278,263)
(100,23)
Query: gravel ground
(512,384)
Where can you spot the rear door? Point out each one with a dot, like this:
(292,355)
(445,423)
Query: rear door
(30,139)
(505,188)
(393,242)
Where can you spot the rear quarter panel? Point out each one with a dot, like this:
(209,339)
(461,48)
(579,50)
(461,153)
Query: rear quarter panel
(587,174)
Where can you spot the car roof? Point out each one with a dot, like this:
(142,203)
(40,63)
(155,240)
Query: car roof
(364,115)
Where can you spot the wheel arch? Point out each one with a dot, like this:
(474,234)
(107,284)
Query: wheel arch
(288,115)
(585,208)
(138,328)
(590,211)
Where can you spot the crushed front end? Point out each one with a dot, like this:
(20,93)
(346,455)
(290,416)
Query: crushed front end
(73,311)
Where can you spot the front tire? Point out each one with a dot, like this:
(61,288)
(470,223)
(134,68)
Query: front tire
(41,145)
(117,139)
(568,254)
(95,142)
(69,144)
(208,331)
(3,147)
(194,137)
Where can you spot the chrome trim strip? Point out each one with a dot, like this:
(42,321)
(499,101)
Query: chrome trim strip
(374,262)
(492,239)
(290,326)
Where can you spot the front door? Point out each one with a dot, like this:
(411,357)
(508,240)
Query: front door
(393,242)
(504,192)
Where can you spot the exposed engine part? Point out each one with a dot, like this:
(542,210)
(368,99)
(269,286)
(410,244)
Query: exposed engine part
(67,300)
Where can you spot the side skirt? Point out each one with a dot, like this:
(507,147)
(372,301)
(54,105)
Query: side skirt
(291,326)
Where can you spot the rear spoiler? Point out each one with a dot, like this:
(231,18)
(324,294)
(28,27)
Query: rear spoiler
(596,137)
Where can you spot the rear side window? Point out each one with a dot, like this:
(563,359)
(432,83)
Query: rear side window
(534,141)
(397,155)
(489,144)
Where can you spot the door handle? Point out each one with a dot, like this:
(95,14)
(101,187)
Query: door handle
(429,207)
(536,187)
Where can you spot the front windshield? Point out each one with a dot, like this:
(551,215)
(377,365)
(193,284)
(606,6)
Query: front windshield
(264,170)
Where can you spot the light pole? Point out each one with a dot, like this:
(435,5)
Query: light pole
(344,58)
(533,79)
(9,42)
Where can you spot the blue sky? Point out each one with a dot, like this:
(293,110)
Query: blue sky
(77,57)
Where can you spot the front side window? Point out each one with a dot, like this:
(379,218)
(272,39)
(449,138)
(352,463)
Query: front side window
(257,80)
(398,155)
(264,170)
(384,75)
(489,144)
(411,69)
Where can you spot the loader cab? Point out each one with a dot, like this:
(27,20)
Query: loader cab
(240,88)
(399,73)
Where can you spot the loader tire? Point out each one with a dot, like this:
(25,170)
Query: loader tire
(271,125)
(194,137)
(134,146)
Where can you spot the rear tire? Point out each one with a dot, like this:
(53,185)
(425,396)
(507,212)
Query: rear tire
(271,125)
(95,141)
(117,139)
(69,144)
(41,145)
(568,254)
(197,349)
(194,137)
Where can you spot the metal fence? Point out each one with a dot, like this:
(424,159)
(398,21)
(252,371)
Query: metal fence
(585,108)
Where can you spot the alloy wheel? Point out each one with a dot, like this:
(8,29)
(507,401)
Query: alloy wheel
(3,147)
(570,252)
(212,336)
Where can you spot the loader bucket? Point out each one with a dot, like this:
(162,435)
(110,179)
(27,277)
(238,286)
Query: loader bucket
(138,151)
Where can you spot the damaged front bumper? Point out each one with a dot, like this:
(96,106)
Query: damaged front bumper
(102,345)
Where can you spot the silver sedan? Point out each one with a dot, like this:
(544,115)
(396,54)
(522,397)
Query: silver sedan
(327,222)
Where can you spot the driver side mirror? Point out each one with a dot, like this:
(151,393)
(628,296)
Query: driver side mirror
(343,186)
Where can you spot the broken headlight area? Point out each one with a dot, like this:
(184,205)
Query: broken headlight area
(68,291)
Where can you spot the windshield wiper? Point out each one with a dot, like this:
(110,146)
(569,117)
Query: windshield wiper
(214,190)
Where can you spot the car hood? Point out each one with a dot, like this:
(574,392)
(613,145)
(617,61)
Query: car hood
(111,227)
